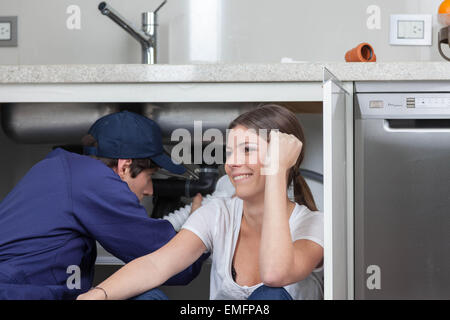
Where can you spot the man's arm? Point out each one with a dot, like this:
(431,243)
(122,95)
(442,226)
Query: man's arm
(179,216)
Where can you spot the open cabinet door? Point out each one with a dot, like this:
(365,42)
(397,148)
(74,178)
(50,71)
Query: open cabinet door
(335,188)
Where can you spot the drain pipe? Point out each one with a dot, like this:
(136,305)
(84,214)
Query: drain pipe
(174,188)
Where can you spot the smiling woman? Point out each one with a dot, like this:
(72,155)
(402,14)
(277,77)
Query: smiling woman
(266,119)
(263,245)
(269,137)
(246,152)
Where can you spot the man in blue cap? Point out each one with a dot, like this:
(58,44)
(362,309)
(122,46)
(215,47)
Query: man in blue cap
(51,220)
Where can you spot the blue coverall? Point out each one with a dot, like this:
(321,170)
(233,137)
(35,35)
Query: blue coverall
(52,218)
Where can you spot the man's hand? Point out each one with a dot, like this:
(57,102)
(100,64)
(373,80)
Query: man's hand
(196,202)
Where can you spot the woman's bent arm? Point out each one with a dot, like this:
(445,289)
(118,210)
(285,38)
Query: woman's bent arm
(283,262)
(150,271)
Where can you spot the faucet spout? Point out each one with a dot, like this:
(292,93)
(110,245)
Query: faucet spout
(146,39)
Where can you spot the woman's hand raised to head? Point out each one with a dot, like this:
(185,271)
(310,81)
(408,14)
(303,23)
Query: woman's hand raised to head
(284,150)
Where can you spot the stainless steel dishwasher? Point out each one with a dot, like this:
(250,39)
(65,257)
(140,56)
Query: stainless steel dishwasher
(402,190)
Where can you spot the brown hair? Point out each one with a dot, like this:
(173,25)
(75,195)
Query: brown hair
(273,116)
(136,167)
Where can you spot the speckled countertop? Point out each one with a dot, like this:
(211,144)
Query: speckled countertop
(272,72)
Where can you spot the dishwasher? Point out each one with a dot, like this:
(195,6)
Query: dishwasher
(402,190)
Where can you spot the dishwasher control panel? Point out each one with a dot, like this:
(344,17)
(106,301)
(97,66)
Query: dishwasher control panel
(432,102)
(403,105)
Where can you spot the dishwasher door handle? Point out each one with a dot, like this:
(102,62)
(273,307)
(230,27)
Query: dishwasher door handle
(417,125)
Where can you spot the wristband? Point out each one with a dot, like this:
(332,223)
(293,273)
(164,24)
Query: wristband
(104,291)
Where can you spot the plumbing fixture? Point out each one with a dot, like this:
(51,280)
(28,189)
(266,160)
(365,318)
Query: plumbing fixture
(146,37)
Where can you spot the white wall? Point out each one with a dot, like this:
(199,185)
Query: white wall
(211,31)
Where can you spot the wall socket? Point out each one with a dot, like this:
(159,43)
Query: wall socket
(8,31)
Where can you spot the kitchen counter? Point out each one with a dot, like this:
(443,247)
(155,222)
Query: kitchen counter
(273,72)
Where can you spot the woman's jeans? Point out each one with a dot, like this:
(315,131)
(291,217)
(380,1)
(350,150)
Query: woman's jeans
(269,293)
(154,294)
(261,293)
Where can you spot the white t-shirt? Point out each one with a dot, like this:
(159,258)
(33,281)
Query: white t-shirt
(218,223)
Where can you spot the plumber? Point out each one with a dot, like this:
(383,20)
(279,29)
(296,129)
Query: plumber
(53,217)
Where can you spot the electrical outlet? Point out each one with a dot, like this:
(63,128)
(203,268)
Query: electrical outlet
(8,31)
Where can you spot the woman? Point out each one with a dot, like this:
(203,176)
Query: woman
(262,244)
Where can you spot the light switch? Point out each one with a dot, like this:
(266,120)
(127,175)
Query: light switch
(8,31)
(5,31)
(411,29)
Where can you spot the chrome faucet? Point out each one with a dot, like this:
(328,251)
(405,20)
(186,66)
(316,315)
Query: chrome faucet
(146,36)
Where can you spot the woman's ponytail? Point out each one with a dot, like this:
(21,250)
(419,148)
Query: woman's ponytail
(302,193)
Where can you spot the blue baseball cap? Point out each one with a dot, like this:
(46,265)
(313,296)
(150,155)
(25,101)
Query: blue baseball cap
(128,135)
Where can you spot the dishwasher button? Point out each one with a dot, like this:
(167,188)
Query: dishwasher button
(410,102)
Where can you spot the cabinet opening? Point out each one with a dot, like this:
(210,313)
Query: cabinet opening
(31,130)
